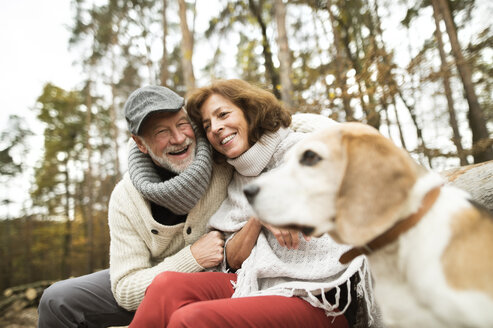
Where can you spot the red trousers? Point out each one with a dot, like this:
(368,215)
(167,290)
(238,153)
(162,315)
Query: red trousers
(203,299)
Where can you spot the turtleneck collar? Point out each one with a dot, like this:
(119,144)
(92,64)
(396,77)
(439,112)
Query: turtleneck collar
(255,159)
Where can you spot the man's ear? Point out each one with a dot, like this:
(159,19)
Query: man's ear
(140,144)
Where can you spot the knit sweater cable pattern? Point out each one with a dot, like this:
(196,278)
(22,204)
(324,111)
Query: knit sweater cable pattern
(141,248)
(271,269)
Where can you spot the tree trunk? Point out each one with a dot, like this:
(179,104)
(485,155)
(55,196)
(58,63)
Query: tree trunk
(386,119)
(340,66)
(445,73)
(114,132)
(362,79)
(88,184)
(270,70)
(284,54)
(67,235)
(476,179)
(412,113)
(163,76)
(186,47)
(398,122)
(6,253)
(475,115)
(419,131)
(28,246)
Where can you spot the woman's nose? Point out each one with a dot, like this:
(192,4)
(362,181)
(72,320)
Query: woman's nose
(216,127)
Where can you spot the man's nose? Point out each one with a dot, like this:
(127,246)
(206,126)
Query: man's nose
(177,137)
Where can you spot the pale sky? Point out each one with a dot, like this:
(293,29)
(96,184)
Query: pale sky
(34,41)
(34,50)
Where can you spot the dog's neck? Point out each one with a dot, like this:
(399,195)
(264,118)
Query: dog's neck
(396,230)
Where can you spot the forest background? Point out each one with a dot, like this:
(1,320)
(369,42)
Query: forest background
(419,71)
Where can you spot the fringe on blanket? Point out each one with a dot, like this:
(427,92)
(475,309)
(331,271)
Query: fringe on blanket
(317,298)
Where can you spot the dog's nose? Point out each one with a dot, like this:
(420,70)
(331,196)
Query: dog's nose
(251,191)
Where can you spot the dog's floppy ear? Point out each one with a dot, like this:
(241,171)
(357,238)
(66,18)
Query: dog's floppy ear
(376,184)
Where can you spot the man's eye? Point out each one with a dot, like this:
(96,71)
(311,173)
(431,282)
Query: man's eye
(184,124)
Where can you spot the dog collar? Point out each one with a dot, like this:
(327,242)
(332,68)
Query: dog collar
(395,231)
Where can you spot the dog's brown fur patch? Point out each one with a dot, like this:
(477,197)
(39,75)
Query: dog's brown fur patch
(376,183)
(467,261)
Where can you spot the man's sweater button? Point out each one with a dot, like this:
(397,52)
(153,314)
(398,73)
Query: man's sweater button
(154,231)
(189,230)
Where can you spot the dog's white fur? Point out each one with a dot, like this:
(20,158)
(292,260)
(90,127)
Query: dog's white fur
(355,184)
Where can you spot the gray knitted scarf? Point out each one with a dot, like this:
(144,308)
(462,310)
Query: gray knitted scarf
(178,194)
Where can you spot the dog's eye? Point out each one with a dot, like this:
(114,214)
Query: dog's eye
(310,158)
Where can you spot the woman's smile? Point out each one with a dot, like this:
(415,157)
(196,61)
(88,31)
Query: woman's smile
(228,139)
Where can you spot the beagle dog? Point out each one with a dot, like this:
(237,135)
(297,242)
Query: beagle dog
(430,247)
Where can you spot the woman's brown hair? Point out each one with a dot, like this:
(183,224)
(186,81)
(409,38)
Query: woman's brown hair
(263,112)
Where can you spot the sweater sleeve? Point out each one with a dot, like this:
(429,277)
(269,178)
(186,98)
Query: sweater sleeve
(131,269)
(307,122)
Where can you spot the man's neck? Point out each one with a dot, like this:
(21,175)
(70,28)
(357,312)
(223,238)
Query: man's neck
(164,173)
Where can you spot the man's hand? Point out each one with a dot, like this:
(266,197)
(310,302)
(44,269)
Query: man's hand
(286,237)
(208,251)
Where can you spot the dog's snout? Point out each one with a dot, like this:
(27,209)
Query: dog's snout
(251,191)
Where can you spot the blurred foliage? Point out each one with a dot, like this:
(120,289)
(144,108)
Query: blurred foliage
(31,249)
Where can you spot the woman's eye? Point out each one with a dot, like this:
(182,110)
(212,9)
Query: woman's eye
(223,114)
(206,127)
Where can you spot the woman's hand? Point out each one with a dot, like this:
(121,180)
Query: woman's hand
(208,251)
(286,237)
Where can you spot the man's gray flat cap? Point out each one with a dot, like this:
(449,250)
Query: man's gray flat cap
(148,100)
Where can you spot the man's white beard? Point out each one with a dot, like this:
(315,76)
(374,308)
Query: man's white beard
(170,165)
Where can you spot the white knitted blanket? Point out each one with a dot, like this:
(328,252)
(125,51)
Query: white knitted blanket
(271,269)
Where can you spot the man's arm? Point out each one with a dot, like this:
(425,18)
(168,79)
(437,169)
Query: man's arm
(131,266)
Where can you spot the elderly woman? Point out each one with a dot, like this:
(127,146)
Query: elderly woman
(281,278)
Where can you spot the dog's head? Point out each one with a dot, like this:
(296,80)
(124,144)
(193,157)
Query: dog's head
(347,180)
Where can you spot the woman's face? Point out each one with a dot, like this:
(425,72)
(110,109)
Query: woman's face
(225,126)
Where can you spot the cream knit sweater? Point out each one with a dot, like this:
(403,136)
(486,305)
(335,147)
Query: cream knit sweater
(141,248)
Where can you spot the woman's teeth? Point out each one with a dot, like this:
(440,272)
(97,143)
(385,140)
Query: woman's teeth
(228,138)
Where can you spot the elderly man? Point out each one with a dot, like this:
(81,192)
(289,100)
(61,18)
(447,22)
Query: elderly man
(157,217)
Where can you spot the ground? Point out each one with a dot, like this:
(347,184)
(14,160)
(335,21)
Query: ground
(26,318)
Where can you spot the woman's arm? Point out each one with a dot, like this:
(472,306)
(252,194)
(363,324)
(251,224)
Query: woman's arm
(240,246)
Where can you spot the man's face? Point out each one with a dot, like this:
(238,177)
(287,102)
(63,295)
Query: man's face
(169,140)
